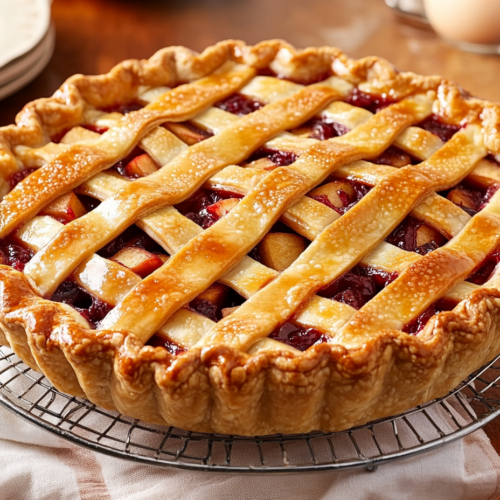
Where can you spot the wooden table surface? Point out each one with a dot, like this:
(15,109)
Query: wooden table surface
(93,35)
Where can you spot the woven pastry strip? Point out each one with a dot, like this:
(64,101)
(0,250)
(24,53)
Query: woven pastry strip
(426,280)
(169,185)
(113,302)
(128,281)
(97,262)
(81,162)
(325,207)
(332,211)
(335,250)
(315,165)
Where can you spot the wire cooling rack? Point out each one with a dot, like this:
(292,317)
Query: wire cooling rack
(470,406)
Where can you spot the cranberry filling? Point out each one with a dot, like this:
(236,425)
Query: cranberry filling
(14,255)
(200,209)
(120,166)
(88,202)
(131,237)
(95,128)
(492,159)
(239,104)
(267,72)
(418,324)
(395,157)
(360,191)
(295,336)
(405,237)
(255,254)
(323,130)
(169,345)
(358,286)
(471,199)
(196,208)
(17,177)
(279,158)
(207,308)
(122,108)
(371,102)
(481,276)
(443,130)
(90,307)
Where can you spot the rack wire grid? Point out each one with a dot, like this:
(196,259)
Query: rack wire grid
(467,408)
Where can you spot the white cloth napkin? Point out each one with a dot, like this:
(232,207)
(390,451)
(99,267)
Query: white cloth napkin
(36,465)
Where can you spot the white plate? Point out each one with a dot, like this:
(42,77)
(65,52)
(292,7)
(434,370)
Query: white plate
(22,64)
(23,23)
(14,85)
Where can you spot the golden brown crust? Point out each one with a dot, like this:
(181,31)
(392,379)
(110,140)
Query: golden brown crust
(221,389)
(329,387)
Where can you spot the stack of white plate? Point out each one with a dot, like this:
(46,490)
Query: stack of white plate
(26,42)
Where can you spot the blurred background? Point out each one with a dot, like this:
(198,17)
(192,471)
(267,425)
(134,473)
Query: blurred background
(93,35)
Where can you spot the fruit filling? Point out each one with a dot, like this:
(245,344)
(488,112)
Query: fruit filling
(188,132)
(358,286)
(140,261)
(371,102)
(340,195)
(17,177)
(14,255)
(205,208)
(239,104)
(278,158)
(436,126)
(141,165)
(395,157)
(298,337)
(122,108)
(66,208)
(136,164)
(211,302)
(131,237)
(89,306)
(469,198)
(88,202)
(414,235)
(94,128)
(483,274)
(322,129)
(418,324)
(160,340)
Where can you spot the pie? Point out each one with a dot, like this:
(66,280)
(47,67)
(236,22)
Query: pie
(254,239)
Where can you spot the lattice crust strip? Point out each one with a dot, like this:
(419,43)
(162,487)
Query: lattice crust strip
(334,385)
(403,260)
(172,184)
(266,276)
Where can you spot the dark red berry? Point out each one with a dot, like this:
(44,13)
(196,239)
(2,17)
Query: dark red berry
(295,336)
(166,343)
(17,177)
(437,127)
(239,104)
(206,308)
(371,102)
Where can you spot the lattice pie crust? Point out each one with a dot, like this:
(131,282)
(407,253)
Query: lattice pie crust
(231,377)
